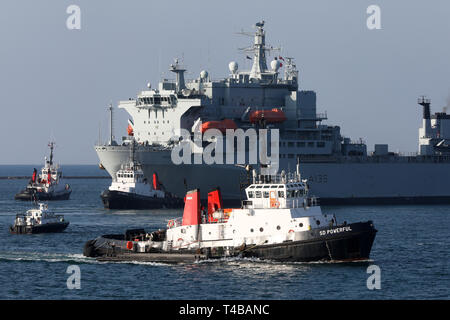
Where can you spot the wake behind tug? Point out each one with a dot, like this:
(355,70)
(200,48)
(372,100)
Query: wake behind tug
(279,221)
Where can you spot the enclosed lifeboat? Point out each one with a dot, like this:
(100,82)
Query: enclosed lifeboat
(220,125)
(270,116)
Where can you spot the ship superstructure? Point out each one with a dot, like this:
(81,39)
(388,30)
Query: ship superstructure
(159,115)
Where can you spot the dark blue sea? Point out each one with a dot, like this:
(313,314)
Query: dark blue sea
(412,250)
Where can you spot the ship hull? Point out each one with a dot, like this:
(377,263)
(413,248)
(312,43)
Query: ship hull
(406,180)
(321,245)
(352,242)
(124,200)
(29,195)
(45,228)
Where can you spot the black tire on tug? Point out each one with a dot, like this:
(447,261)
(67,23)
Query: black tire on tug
(89,249)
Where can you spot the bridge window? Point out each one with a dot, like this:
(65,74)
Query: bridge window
(280,194)
(250,194)
(258,194)
(266,194)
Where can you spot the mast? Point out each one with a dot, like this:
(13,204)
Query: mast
(132,154)
(111,136)
(179,71)
(259,49)
(259,52)
(51,145)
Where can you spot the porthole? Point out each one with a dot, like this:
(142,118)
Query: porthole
(300,225)
(261,229)
(251,230)
(318,222)
(278,227)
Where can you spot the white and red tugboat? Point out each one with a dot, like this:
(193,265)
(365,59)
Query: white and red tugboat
(131,190)
(48,185)
(39,220)
(279,221)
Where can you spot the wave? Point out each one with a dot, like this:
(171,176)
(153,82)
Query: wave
(45,257)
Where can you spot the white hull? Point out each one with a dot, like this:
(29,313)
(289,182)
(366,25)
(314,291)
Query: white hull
(363,180)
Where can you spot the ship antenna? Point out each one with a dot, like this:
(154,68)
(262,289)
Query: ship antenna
(111,137)
(51,145)
(132,155)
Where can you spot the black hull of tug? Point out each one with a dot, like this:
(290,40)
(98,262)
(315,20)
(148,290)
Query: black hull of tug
(31,195)
(46,228)
(125,200)
(352,242)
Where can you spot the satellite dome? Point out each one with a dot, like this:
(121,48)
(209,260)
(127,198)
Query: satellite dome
(203,74)
(233,66)
(149,85)
(275,65)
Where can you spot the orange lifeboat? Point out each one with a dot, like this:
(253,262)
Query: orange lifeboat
(220,125)
(130,130)
(271,116)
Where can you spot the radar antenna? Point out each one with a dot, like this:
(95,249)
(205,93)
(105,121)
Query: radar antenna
(259,50)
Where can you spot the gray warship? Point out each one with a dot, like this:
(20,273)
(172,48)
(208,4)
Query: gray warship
(327,158)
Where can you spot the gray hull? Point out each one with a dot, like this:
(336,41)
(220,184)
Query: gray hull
(360,181)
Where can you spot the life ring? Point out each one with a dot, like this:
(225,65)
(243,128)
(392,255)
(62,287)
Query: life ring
(170,224)
(290,231)
(180,239)
(274,204)
(130,245)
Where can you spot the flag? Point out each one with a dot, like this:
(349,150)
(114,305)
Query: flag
(281,58)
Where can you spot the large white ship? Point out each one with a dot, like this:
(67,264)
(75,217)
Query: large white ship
(327,158)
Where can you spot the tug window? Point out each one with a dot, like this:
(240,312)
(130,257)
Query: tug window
(258,194)
(280,194)
(266,194)
(250,194)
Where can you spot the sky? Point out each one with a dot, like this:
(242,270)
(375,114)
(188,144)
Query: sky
(56,83)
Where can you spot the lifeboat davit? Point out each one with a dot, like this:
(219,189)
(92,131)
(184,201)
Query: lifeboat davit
(271,116)
(220,125)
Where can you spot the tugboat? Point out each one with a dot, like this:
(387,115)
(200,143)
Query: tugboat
(39,220)
(131,190)
(48,185)
(279,221)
